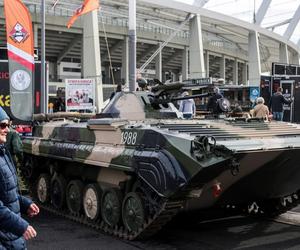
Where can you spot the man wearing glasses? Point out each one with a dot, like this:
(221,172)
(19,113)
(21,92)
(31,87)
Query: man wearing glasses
(14,230)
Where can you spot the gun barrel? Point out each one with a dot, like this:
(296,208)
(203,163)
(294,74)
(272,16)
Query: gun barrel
(167,100)
(190,97)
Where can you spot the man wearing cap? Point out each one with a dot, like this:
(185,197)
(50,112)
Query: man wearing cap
(14,230)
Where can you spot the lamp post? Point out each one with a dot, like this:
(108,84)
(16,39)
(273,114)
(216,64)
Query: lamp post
(43,66)
(132,44)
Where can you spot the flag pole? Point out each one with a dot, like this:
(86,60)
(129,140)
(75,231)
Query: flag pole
(43,66)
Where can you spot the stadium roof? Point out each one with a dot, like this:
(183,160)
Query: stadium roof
(277,18)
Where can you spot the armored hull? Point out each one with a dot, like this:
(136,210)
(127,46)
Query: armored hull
(132,169)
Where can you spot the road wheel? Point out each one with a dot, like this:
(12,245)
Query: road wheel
(58,191)
(43,188)
(74,196)
(111,206)
(133,212)
(91,201)
(27,168)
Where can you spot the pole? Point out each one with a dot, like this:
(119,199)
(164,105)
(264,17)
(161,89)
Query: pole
(43,76)
(132,44)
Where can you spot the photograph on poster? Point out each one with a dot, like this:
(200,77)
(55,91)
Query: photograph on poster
(80,94)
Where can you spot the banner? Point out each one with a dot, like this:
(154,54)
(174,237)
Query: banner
(19,36)
(87,6)
(80,94)
(5,90)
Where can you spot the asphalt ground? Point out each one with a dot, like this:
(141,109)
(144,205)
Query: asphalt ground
(237,232)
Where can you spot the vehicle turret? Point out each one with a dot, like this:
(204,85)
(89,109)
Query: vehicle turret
(157,103)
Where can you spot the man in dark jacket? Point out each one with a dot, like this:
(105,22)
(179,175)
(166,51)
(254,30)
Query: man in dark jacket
(14,145)
(276,104)
(213,104)
(14,230)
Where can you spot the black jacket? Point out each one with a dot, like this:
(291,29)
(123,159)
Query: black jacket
(277,101)
(14,146)
(213,105)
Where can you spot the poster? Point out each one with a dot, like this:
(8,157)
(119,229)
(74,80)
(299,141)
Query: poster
(80,94)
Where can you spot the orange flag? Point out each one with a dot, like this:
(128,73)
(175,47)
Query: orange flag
(19,36)
(19,33)
(87,6)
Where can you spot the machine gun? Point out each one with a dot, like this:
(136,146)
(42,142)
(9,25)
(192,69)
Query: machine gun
(170,92)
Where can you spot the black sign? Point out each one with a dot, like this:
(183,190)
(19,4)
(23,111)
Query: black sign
(287,89)
(198,82)
(285,69)
(4,89)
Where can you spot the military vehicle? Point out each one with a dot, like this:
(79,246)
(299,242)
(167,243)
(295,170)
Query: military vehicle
(133,167)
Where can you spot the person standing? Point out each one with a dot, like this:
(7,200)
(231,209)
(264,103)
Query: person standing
(14,145)
(261,110)
(14,230)
(276,104)
(50,107)
(213,101)
(187,107)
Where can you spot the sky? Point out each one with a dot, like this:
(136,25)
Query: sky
(279,11)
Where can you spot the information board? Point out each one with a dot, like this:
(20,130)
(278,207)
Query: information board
(80,94)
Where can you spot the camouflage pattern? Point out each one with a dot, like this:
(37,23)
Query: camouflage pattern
(134,145)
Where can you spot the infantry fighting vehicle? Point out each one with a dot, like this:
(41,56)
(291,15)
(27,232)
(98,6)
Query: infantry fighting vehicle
(129,170)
